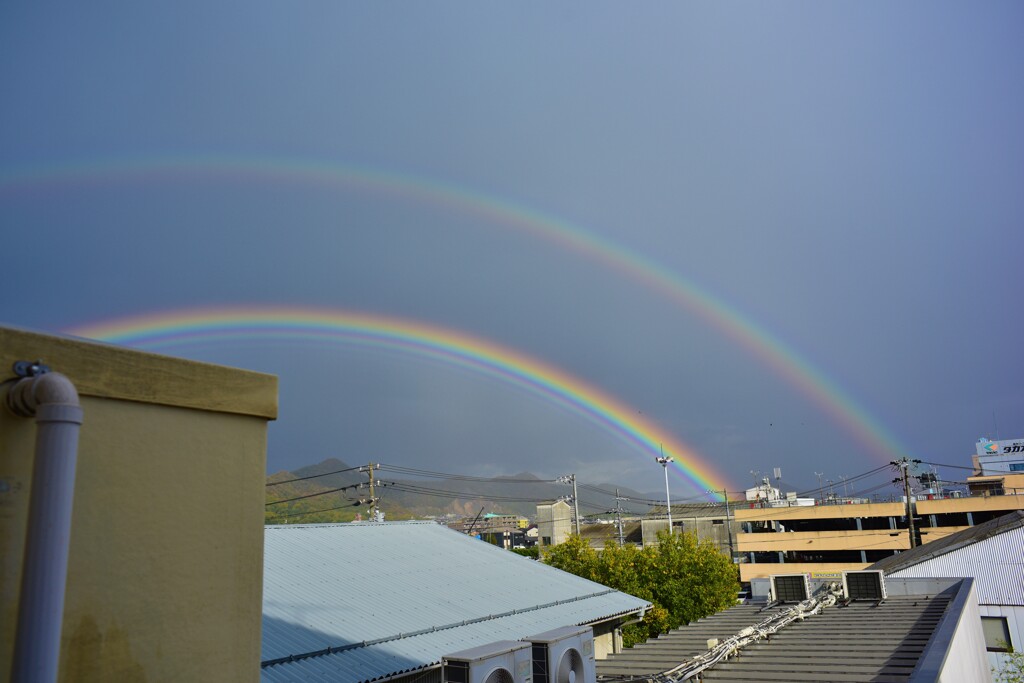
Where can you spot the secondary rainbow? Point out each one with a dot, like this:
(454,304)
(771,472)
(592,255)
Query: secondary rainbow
(742,329)
(240,324)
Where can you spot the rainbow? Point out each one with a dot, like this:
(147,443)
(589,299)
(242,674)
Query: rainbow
(769,349)
(311,325)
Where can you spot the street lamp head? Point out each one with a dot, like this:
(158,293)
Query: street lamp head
(663,461)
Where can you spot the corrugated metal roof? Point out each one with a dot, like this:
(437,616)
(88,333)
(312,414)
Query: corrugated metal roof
(992,553)
(861,642)
(364,601)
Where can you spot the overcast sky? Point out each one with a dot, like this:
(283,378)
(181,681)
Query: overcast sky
(847,177)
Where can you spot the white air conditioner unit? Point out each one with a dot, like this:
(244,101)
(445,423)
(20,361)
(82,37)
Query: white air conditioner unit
(564,655)
(506,661)
(790,588)
(864,585)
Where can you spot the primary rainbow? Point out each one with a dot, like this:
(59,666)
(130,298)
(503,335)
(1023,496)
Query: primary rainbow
(758,341)
(240,324)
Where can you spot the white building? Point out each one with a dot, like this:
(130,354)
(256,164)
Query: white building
(993,555)
(992,457)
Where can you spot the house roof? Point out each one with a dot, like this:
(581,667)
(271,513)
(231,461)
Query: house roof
(599,534)
(864,641)
(361,602)
(948,544)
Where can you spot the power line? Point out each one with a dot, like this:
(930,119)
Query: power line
(312,495)
(313,512)
(956,467)
(312,476)
(849,480)
(426,491)
(461,477)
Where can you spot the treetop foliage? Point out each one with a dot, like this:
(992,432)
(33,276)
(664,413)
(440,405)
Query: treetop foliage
(685,579)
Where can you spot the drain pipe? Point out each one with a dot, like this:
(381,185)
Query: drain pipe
(51,398)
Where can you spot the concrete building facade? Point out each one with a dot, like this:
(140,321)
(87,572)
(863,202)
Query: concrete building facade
(824,539)
(164,574)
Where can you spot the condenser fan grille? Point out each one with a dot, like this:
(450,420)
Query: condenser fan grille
(499,676)
(570,667)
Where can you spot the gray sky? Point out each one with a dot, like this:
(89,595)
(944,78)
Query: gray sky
(845,176)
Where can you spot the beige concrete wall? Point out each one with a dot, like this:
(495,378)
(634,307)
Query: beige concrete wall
(819,512)
(754,571)
(165,565)
(972,504)
(883,539)
(605,640)
(555,522)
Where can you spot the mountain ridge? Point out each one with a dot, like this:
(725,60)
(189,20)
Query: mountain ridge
(331,491)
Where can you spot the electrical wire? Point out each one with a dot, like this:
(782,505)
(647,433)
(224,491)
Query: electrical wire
(460,477)
(955,467)
(314,512)
(426,491)
(314,495)
(314,476)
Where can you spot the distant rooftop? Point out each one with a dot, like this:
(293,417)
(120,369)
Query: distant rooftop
(360,602)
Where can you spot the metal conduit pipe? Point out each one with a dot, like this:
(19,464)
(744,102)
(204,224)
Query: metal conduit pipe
(52,399)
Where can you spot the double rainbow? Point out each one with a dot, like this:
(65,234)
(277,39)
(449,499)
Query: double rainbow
(784,360)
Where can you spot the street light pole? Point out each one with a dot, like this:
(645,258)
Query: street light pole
(575,503)
(663,461)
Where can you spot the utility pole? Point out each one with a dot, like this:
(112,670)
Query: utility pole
(475,520)
(821,489)
(728,521)
(728,524)
(368,470)
(618,519)
(571,479)
(903,464)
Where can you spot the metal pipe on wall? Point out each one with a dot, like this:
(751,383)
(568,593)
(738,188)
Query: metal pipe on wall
(52,399)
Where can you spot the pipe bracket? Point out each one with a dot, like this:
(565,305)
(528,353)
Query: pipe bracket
(28,368)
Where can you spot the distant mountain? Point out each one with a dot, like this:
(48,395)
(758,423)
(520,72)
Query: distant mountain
(331,491)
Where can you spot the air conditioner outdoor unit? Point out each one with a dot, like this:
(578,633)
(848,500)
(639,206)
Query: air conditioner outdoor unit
(864,585)
(790,588)
(564,655)
(506,661)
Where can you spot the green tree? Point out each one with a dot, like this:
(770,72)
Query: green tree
(691,578)
(574,556)
(1012,669)
(685,579)
(532,552)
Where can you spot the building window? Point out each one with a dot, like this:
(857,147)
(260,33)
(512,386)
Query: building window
(545,540)
(997,634)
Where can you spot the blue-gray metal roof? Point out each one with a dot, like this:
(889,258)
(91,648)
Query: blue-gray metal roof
(359,602)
